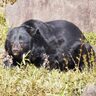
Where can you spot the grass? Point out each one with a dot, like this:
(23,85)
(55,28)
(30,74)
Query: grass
(32,81)
(3,29)
(91,37)
(40,82)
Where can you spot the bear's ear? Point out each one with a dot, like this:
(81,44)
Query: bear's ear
(31,30)
(35,32)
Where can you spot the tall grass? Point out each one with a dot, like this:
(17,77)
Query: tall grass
(41,82)
(3,29)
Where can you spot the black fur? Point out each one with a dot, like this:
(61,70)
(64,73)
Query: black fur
(60,40)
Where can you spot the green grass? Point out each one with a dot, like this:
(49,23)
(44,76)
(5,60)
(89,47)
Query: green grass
(91,37)
(41,82)
(32,81)
(3,29)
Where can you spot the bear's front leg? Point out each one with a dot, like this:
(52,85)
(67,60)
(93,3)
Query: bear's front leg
(7,60)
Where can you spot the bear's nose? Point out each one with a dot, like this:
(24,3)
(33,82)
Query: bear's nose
(16,49)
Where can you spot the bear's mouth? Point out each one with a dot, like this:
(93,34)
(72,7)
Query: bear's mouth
(16,52)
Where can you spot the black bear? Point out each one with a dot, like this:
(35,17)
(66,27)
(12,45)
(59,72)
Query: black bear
(59,42)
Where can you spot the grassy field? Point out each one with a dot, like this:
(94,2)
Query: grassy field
(31,81)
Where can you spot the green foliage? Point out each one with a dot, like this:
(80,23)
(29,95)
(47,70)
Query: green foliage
(91,37)
(3,29)
(4,2)
(2,20)
(32,81)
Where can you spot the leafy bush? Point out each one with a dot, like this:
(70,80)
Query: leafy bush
(40,82)
(91,37)
(4,2)
(3,29)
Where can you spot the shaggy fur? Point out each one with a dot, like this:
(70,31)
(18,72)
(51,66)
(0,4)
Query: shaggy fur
(60,41)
